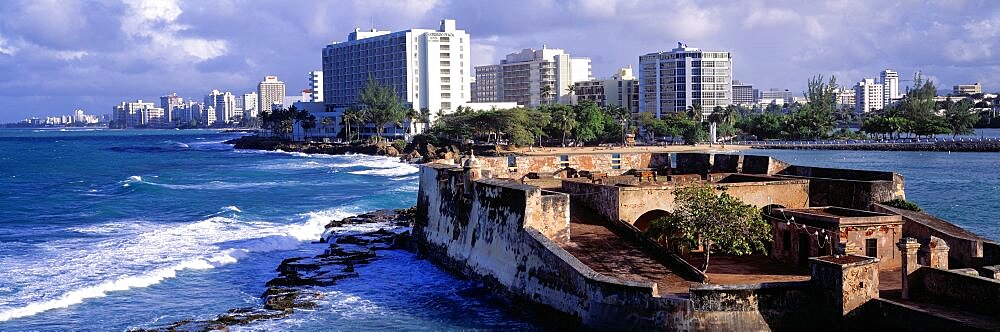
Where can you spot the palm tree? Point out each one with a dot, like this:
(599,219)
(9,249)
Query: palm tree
(381,106)
(327,123)
(546,93)
(694,112)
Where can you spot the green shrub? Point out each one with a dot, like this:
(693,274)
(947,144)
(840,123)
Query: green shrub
(903,204)
(399,144)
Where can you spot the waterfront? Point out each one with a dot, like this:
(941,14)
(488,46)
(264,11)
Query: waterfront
(119,229)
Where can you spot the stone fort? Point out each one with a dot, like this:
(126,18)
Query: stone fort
(566,232)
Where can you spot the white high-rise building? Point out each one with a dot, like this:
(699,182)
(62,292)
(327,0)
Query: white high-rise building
(532,77)
(169,104)
(890,86)
(137,114)
(223,105)
(743,94)
(429,69)
(316,86)
(270,93)
(868,96)
(670,82)
(250,104)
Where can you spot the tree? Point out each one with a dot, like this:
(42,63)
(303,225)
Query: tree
(563,120)
(546,94)
(381,106)
(716,221)
(960,120)
(591,121)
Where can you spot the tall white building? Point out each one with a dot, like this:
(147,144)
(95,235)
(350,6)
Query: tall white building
(316,86)
(169,104)
(672,81)
(270,92)
(223,105)
(250,104)
(137,114)
(429,69)
(743,94)
(890,86)
(532,77)
(868,96)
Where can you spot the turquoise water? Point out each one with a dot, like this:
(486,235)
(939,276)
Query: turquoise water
(111,230)
(963,188)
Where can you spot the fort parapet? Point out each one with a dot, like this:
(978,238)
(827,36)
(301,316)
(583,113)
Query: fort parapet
(565,232)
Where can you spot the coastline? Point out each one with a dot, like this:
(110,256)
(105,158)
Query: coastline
(953,146)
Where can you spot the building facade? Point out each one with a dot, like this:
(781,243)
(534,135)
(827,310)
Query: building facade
(270,93)
(890,87)
(138,114)
(316,86)
(868,96)
(670,82)
(428,69)
(743,94)
(532,77)
(777,96)
(845,97)
(250,104)
(967,89)
(621,90)
(169,104)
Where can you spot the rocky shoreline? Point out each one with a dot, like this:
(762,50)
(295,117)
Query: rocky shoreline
(295,286)
(956,146)
(415,152)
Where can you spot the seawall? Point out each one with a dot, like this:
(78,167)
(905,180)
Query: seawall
(955,146)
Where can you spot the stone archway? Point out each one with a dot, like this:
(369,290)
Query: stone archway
(644,220)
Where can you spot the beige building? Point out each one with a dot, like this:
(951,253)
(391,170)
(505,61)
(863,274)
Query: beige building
(622,90)
(967,89)
(532,77)
(270,92)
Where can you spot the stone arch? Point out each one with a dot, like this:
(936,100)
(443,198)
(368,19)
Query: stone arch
(644,220)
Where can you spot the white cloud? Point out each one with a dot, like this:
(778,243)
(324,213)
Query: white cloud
(770,17)
(155,22)
(983,29)
(6,48)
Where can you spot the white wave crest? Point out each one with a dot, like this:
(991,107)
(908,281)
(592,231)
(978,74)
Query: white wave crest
(69,272)
(232,208)
(400,170)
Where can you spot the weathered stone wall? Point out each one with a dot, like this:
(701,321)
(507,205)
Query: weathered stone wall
(848,188)
(753,307)
(693,163)
(845,282)
(495,240)
(551,164)
(973,292)
(552,217)
(965,248)
(601,199)
(886,315)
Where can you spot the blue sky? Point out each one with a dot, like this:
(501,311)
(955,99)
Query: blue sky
(59,55)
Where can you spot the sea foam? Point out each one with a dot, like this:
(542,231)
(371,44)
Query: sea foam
(70,272)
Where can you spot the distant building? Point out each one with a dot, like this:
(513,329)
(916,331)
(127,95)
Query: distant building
(250,105)
(778,96)
(137,114)
(670,82)
(868,96)
(169,103)
(890,87)
(743,94)
(622,90)
(429,69)
(532,77)
(316,86)
(967,89)
(845,97)
(270,92)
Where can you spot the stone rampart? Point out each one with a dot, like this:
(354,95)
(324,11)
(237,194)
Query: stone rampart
(950,287)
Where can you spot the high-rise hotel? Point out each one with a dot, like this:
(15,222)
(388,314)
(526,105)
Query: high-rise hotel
(672,81)
(428,68)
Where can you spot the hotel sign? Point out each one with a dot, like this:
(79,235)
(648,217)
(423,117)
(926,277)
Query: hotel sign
(436,36)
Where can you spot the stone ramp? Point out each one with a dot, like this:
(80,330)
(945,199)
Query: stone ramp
(598,247)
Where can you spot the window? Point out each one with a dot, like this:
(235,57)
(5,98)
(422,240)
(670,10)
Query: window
(445,63)
(445,39)
(616,161)
(445,47)
(871,248)
(511,161)
(564,161)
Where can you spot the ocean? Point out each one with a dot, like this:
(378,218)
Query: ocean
(115,230)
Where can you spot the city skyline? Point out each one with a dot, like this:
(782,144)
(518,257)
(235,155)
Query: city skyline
(61,56)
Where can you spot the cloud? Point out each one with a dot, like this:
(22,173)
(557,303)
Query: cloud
(6,48)
(770,17)
(152,23)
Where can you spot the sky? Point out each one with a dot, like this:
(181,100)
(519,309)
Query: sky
(56,56)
